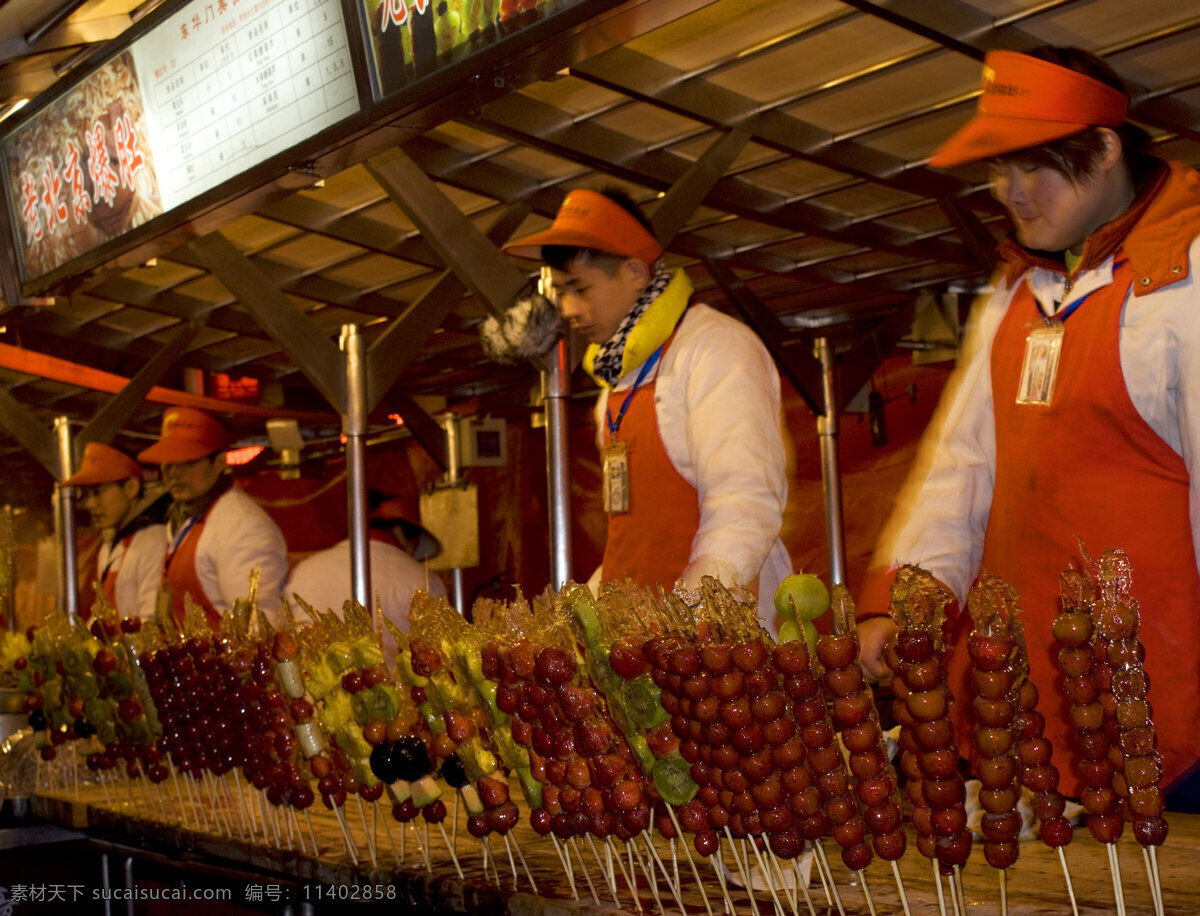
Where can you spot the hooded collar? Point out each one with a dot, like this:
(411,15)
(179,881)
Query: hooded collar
(1155,234)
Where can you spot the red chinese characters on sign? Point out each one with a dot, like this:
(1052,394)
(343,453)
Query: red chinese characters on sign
(81,204)
(395,13)
(56,210)
(104,180)
(29,207)
(129,157)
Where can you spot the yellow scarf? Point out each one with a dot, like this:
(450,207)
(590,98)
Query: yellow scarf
(652,330)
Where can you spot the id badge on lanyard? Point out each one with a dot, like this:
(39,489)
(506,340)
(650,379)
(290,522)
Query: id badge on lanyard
(614,462)
(1043,347)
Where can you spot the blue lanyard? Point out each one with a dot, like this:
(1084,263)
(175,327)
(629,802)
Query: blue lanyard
(615,425)
(178,540)
(1074,306)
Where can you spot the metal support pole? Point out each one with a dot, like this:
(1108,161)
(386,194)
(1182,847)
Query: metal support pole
(450,425)
(65,520)
(831,475)
(354,426)
(556,386)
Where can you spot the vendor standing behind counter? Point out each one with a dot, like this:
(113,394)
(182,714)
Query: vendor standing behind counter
(216,533)
(133,539)
(1075,410)
(689,410)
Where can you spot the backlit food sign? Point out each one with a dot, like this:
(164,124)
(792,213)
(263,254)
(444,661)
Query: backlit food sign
(213,89)
(410,39)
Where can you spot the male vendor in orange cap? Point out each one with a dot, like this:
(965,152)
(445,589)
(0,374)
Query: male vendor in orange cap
(689,411)
(133,539)
(216,533)
(1075,410)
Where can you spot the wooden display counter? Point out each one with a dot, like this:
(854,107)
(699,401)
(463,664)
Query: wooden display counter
(1035,884)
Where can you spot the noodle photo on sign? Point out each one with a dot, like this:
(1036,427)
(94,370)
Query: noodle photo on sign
(81,172)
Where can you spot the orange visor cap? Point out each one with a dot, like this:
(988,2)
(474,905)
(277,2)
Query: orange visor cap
(187,434)
(1027,102)
(588,219)
(103,464)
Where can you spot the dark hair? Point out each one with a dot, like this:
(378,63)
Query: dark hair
(560,257)
(1075,156)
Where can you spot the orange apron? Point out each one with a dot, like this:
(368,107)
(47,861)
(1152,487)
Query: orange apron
(652,542)
(1088,465)
(179,572)
(109,578)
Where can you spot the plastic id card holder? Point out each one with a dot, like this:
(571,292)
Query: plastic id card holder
(1043,347)
(614,461)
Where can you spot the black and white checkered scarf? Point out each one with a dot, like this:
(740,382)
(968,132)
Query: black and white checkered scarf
(609,360)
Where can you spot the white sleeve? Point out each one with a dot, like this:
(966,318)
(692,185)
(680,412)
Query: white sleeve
(1187,396)
(733,451)
(144,565)
(941,514)
(243,536)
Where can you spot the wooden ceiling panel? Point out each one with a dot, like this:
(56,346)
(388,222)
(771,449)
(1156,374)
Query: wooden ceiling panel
(1099,24)
(311,252)
(575,95)
(374,271)
(725,29)
(648,124)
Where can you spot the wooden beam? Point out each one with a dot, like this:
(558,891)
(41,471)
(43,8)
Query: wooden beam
(686,194)
(403,339)
(313,353)
(424,428)
(856,365)
(483,269)
(980,242)
(23,426)
(116,413)
(803,371)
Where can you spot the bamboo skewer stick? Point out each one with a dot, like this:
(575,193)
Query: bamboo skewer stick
(1114,866)
(1062,858)
(718,866)
(803,885)
(606,869)
(572,843)
(511,861)
(862,876)
(767,876)
(362,816)
(746,883)
(454,855)
(789,889)
(311,834)
(1157,884)
(954,896)
(630,876)
(341,819)
(647,867)
(654,856)
(900,888)
(962,896)
(937,878)
(819,852)
(387,830)
(688,855)
(566,860)
(1003,872)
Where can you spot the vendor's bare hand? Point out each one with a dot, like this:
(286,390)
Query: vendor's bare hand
(873,635)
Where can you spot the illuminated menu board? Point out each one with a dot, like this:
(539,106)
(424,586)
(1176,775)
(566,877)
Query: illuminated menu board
(213,89)
(409,39)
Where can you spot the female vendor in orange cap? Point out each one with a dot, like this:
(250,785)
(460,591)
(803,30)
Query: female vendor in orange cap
(1075,411)
(216,533)
(133,539)
(689,410)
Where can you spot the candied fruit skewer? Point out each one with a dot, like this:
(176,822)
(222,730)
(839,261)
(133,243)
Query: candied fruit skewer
(930,758)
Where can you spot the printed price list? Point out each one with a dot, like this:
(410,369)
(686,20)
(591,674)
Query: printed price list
(234,82)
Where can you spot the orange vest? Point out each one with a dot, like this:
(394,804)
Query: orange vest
(1089,466)
(179,573)
(652,542)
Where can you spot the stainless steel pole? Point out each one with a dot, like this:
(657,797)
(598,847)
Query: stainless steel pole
(831,475)
(65,520)
(556,386)
(354,425)
(450,425)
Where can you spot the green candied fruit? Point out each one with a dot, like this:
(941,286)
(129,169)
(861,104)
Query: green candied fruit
(673,780)
(383,702)
(321,679)
(642,703)
(339,656)
(407,675)
(336,711)
(589,621)
(366,652)
(642,754)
